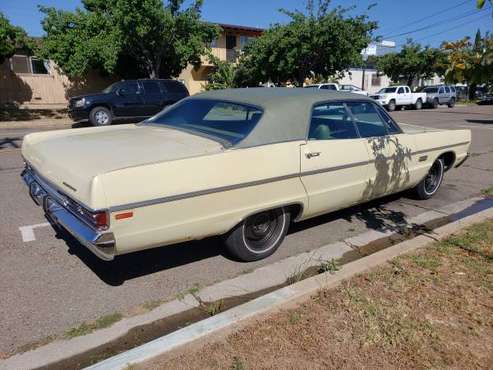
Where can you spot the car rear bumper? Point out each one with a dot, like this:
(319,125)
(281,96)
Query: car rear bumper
(102,244)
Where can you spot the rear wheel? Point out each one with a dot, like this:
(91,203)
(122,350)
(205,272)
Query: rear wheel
(418,105)
(100,116)
(431,183)
(391,106)
(259,235)
(451,103)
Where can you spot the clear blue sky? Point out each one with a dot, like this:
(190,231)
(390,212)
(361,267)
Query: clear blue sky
(447,19)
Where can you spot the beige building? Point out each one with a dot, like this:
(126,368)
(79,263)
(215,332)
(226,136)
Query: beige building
(226,47)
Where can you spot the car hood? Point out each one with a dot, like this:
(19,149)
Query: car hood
(72,159)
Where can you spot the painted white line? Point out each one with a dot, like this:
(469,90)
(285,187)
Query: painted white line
(27,232)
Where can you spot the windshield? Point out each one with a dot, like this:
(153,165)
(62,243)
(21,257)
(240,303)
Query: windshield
(349,87)
(430,90)
(110,88)
(386,90)
(224,121)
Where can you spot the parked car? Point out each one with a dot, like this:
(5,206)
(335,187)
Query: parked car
(486,100)
(399,96)
(241,163)
(336,87)
(352,89)
(126,100)
(439,95)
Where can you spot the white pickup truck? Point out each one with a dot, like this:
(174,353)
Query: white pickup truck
(398,96)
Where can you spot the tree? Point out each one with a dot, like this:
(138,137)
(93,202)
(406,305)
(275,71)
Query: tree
(223,76)
(317,41)
(158,39)
(412,63)
(11,39)
(470,62)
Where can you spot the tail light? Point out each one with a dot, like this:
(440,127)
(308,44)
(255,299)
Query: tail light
(99,220)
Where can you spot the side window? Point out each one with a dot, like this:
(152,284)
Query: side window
(452,89)
(392,127)
(129,88)
(151,87)
(441,91)
(447,90)
(368,120)
(400,91)
(331,122)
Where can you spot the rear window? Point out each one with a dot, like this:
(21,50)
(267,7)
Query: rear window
(174,87)
(224,121)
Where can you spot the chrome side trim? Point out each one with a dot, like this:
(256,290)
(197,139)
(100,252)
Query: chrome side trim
(440,148)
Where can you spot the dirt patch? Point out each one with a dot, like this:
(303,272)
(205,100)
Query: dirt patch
(429,309)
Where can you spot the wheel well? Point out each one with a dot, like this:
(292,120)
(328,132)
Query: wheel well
(102,105)
(295,210)
(448,159)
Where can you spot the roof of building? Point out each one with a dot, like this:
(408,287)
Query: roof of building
(287,111)
(241,28)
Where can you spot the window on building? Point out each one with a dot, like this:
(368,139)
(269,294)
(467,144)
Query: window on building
(376,80)
(245,40)
(20,64)
(27,64)
(38,66)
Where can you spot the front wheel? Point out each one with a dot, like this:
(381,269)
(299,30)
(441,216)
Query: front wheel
(430,184)
(259,235)
(100,116)
(434,104)
(391,106)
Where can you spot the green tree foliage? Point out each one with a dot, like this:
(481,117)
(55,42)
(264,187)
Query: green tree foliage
(411,63)
(155,39)
(468,62)
(11,39)
(223,76)
(318,41)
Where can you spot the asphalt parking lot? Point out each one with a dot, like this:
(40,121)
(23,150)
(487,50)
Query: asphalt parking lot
(48,285)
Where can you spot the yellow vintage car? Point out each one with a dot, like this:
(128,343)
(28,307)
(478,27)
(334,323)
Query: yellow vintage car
(241,163)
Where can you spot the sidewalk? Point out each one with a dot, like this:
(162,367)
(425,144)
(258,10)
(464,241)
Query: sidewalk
(432,308)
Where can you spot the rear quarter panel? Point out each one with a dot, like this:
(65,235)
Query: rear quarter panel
(197,216)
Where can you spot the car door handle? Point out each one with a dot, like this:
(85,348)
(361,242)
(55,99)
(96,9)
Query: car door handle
(312,154)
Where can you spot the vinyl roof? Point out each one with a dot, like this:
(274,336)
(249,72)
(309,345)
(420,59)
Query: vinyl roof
(286,110)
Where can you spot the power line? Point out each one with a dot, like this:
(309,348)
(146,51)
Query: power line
(430,16)
(448,29)
(436,24)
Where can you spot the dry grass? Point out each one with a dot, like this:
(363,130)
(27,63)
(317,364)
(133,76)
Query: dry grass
(429,309)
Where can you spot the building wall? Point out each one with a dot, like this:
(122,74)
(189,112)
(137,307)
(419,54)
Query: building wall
(372,80)
(53,88)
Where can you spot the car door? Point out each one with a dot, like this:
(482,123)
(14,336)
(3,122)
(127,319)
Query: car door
(129,100)
(334,160)
(441,95)
(401,96)
(389,149)
(153,98)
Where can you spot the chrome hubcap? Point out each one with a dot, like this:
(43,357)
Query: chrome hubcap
(101,117)
(262,231)
(432,180)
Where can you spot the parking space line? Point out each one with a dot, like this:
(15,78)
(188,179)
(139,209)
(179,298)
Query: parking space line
(27,232)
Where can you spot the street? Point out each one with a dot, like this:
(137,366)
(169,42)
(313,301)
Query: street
(48,285)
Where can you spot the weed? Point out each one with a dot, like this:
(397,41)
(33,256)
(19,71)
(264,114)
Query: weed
(87,328)
(294,317)
(426,261)
(214,308)
(149,306)
(193,291)
(237,364)
(488,191)
(331,266)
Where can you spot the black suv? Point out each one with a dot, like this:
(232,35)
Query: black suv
(126,100)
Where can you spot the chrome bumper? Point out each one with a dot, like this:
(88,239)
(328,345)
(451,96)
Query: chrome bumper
(102,244)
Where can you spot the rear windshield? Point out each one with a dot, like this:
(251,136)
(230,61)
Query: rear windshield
(430,90)
(223,121)
(387,90)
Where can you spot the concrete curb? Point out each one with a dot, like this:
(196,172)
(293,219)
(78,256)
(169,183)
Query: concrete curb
(284,296)
(262,278)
